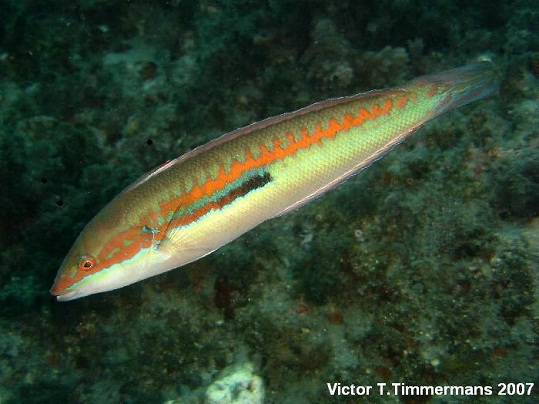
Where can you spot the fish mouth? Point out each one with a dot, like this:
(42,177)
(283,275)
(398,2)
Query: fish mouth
(66,296)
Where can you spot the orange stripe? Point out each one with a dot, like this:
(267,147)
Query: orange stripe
(267,158)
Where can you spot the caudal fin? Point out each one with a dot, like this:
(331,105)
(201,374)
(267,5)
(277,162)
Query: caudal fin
(462,85)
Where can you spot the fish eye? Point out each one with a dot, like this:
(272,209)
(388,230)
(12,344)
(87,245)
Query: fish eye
(86,263)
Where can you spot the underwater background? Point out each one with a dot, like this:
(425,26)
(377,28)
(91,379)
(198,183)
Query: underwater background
(422,269)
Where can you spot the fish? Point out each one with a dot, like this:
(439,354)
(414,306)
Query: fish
(192,205)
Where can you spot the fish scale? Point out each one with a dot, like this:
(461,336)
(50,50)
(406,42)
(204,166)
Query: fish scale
(206,198)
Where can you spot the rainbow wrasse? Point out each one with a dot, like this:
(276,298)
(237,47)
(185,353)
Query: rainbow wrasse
(191,206)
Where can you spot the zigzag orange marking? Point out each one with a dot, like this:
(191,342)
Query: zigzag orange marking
(268,157)
(402,101)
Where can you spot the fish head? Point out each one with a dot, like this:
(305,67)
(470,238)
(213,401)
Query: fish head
(73,278)
(107,255)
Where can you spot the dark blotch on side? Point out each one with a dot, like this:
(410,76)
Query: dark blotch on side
(251,184)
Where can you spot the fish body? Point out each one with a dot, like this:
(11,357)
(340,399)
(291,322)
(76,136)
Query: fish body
(206,198)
